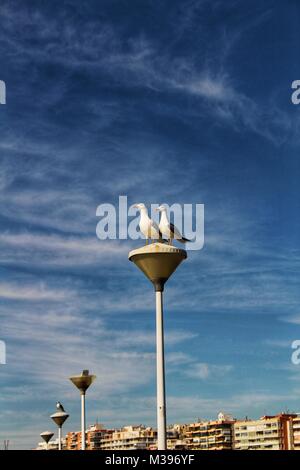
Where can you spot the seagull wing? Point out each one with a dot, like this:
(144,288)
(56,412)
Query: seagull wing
(177,234)
(155,229)
(154,225)
(175,231)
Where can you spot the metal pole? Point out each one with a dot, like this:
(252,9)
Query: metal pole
(59,437)
(160,374)
(82,421)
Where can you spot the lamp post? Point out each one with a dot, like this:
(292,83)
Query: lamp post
(82,382)
(59,417)
(158,261)
(47,435)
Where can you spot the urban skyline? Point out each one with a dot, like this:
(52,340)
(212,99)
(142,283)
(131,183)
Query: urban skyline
(270,432)
(185,102)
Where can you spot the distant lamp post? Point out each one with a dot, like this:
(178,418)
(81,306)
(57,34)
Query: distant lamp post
(59,417)
(82,382)
(158,261)
(47,436)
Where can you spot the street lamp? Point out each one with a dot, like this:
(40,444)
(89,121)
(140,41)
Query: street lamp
(59,417)
(82,382)
(158,261)
(47,435)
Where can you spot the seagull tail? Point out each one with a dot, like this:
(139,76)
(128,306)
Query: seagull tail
(183,240)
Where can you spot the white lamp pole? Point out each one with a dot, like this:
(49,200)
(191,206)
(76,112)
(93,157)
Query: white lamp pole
(83,425)
(59,437)
(160,374)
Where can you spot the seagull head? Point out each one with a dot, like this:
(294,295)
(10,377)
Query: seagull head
(161,209)
(140,206)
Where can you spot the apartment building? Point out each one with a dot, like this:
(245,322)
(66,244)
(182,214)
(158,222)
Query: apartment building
(93,438)
(280,432)
(129,438)
(266,433)
(95,435)
(296,432)
(210,435)
(52,445)
(175,438)
(73,440)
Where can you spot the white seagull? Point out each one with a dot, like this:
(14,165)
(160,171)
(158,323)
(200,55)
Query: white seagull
(168,229)
(59,406)
(148,227)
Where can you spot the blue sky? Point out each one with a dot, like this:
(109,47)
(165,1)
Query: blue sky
(176,101)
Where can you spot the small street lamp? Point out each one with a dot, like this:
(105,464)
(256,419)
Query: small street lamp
(47,436)
(82,382)
(59,417)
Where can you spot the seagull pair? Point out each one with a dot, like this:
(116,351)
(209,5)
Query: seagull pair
(152,231)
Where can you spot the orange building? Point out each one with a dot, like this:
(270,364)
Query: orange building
(210,435)
(94,435)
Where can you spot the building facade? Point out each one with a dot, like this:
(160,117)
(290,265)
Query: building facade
(296,432)
(266,433)
(94,435)
(129,438)
(280,432)
(52,445)
(210,435)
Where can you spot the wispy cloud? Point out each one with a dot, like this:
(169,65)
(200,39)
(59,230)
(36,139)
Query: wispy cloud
(206,371)
(32,292)
(139,63)
(57,250)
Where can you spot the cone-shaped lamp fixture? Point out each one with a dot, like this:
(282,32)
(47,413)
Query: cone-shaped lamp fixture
(59,417)
(157,261)
(47,435)
(83,381)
